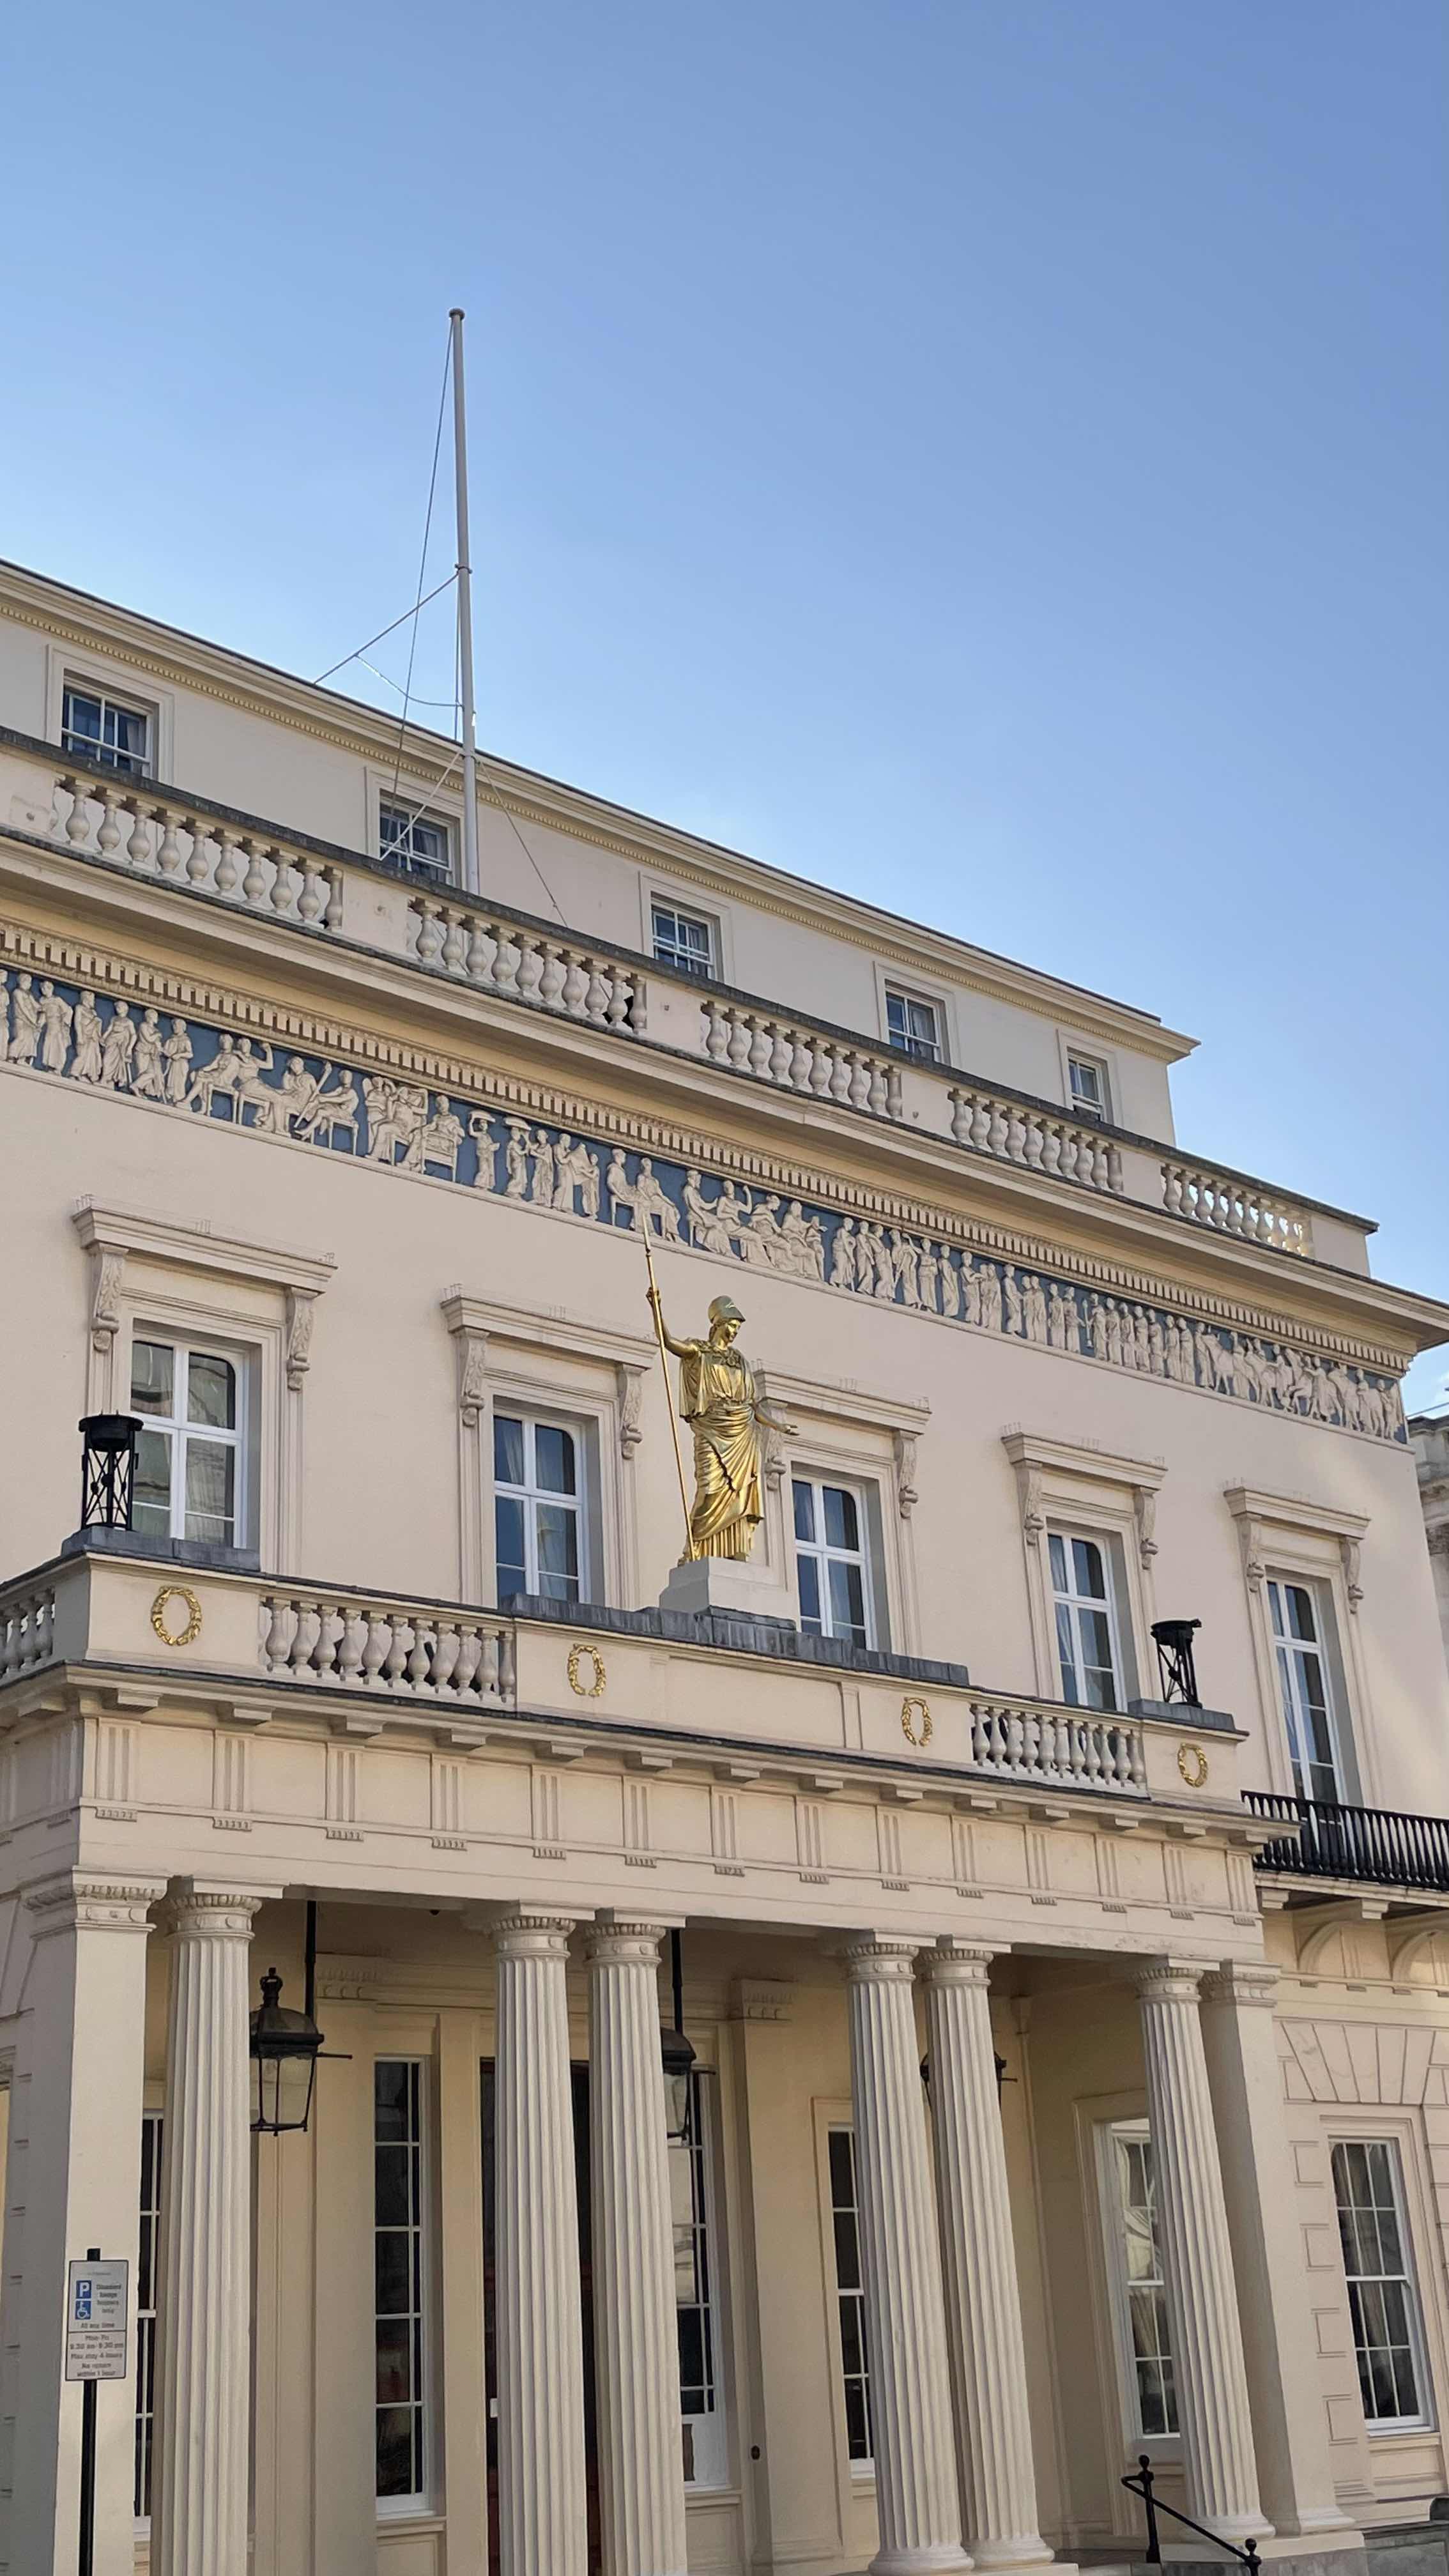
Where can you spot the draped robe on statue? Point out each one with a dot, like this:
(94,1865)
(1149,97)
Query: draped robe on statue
(717,1399)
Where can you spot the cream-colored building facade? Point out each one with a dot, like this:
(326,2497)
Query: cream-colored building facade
(339,1178)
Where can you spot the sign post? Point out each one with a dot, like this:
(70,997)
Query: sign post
(96,2347)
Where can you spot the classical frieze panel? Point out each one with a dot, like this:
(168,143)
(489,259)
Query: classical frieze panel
(468,1131)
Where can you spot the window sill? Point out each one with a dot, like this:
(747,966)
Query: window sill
(409,2517)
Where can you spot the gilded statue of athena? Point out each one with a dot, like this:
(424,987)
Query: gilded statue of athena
(719,1400)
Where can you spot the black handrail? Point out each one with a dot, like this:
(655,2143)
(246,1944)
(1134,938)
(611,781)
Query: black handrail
(1142,2485)
(1326,1839)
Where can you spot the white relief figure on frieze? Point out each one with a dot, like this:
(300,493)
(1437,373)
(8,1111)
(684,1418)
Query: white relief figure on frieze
(28,1018)
(543,1174)
(905,1253)
(1034,1295)
(385,1129)
(1014,1300)
(801,1248)
(298,1093)
(440,1138)
(1143,1339)
(970,1288)
(620,1189)
(564,1179)
(883,1267)
(86,1062)
(760,1235)
(842,1254)
(4,1017)
(177,1053)
(653,1204)
(255,1091)
(217,1080)
(930,1277)
(337,1112)
(515,1156)
(1350,1396)
(118,1047)
(991,1297)
(950,1285)
(864,1258)
(587,1162)
(148,1073)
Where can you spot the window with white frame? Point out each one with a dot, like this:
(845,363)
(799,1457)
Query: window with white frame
(399,2270)
(1139,2285)
(850,2299)
(1087,1082)
(1299,1616)
(1383,2297)
(147,2254)
(539,1517)
(190,1460)
(832,1566)
(689,2199)
(418,844)
(105,728)
(913,1025)
(1089,1655)
(683,940)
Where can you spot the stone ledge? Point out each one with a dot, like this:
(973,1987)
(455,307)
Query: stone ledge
(738,1633)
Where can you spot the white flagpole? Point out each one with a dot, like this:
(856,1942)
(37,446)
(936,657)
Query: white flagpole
(471,884)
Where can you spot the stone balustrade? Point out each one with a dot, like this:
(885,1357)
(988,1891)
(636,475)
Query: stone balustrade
(27,1629)
(457,1662)
(501,956)
(126,822)
(1071,1749)
(800,1059)
(160,835)
(1015,1132)
(1240,1207)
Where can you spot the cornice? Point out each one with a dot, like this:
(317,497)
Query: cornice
(190,662)
(544,1328)
(718,1155)
(1076,1458)
(1288,1511)
(195,1246)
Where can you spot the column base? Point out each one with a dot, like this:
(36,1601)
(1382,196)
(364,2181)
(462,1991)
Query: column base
(937,2558)
(1025,2549)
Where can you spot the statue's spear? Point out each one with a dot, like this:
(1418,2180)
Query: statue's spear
(654,1308)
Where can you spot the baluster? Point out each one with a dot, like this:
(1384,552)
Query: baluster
(821,1067)
(507,961)
(894,1104)
(839,1074)
(1015,1135)
(1172,1180)
(507,1665)
(329,1629)
(311,898)
(639,1006)
(878,1093)
(477,964)
(399,1642)
(77,821)
(1114,1169)
(254,883)
(960,1116)
(446,1651)
(354,1637)
(1052,1141)
(996,1129)
(430,931)
(1138,1760)
(858,1092)
(332,917)
(551,980)
(981,1124)
(737,1038)
(618,998)
(228,847)
(576,985)
(109,835)
(454,949)
(281,1628)
(470,1650)
(596,999)
(716,1032)
(488,1665)
(420,1660)
(309,1628)
(138,844)
(801,1061)
(779,1054)
(1035,1139)
(45,1647)
(530,969)
(375,1646)
(168,856)
(759,1055)
(1072,1151)
(282,888)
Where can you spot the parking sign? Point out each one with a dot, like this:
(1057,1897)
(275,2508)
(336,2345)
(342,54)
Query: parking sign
(97,2300)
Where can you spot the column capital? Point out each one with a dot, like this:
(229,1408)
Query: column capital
(520,1933)
(1170,1981)
(611,1942)
(958,1963)
(1245,1982)
(878,1959)
(77,1901)
(215,1909)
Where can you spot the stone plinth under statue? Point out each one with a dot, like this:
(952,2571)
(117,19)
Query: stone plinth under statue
(719,1400)
(746,1591)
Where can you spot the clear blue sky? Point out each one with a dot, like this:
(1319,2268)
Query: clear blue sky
(987,454)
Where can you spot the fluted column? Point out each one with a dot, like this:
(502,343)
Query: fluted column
(541,2525)
(915,2472)
(1295,2467)
(636,2335)
(983,2303)
(203,2377)
(1207,2344)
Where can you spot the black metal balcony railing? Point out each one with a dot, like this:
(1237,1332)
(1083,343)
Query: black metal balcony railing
(1324,1840)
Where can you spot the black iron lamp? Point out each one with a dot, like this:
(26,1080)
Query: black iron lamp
(285,2047)
(1001,2074)
(108,1469)
(1173,1640)
(678,2057)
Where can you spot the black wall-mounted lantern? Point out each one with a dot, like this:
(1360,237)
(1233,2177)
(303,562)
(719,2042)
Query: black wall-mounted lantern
(108,1469)
(285,2047)
(678,2057)
(1173,1640)
(1001,2074)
